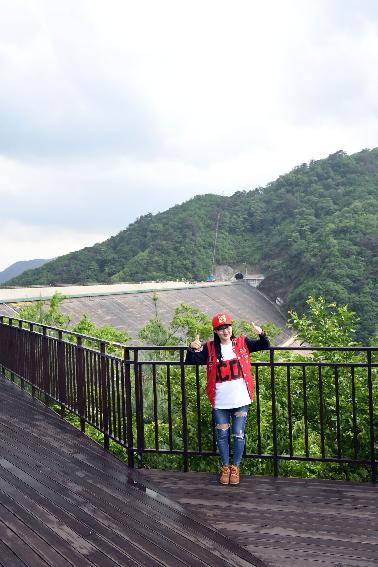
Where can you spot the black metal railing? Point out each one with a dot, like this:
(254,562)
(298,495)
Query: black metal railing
(318,406)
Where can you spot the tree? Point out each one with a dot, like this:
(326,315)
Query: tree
(46,313)
(325,324)
(106,333)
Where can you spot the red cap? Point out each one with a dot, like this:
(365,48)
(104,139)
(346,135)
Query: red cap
(221,319)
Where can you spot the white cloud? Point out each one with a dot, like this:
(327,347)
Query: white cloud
(109,111)
(20,241)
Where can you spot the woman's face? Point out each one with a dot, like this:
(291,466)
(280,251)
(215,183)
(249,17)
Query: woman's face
(224,333)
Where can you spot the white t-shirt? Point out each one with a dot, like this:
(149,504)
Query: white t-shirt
(232,393)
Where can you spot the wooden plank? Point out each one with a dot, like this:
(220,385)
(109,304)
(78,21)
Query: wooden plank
(119,519)
(295,521)
(68,492)
(307,521)
(278,557)
(48,526)
(32,539)
(59,472)
(8,558)
(137,520)
(25,553)
(126,480)
(86,534)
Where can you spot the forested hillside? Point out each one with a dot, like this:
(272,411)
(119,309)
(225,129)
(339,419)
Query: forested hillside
(312,231)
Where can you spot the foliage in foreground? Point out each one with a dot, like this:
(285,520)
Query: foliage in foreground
(324,324)
(326,392)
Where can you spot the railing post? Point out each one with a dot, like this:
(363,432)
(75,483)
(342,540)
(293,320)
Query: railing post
(20,354)
(138,408)
(199,421)
(129,410)
(21,374)
(371,419)
(274,415)
(321,410)
(2,369)
(61,374)
(80,381)
(104,397)
(32,358)
(183,412)
(45,365)
(1,323)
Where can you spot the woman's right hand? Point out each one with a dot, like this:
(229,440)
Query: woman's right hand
(196,344)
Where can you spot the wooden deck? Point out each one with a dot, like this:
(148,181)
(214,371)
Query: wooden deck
(66,502)
(284,522)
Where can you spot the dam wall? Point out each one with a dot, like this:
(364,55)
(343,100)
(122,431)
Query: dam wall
(130,310)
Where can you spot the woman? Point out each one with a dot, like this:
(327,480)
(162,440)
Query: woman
(229,386)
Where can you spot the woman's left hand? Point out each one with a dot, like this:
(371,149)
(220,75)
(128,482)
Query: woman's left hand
(256,328)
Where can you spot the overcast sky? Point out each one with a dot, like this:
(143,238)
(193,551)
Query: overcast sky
(113,109)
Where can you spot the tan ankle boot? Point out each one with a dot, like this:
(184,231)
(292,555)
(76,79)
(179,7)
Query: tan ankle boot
(234,475)
(225,475)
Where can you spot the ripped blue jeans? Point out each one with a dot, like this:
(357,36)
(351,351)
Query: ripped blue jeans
(222,418)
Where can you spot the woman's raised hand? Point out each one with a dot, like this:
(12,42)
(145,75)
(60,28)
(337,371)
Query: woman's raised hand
(196,344)
(256,328)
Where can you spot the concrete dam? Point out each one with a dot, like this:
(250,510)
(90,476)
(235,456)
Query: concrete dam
(132,308)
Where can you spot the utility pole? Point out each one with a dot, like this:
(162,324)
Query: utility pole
(215,243)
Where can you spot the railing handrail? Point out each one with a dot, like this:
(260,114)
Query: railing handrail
(116,394)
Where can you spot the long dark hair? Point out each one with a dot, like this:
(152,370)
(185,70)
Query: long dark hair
(217,344)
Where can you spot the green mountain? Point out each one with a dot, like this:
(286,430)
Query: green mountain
(312,231)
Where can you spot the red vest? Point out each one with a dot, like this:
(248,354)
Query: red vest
(242,353)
